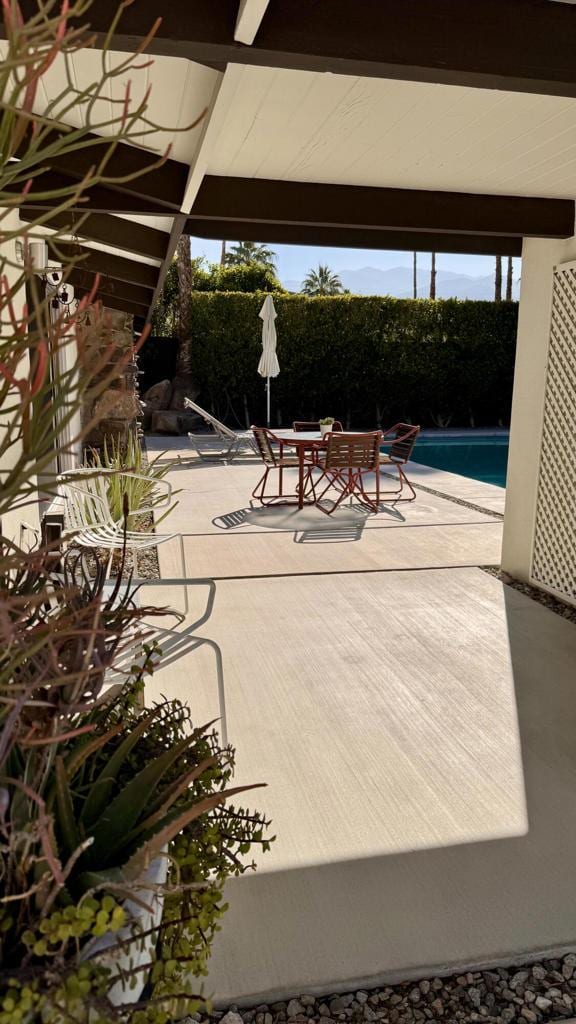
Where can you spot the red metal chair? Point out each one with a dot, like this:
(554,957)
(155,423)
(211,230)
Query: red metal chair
(401,438)
(348,458)
(271,451)
(299,426)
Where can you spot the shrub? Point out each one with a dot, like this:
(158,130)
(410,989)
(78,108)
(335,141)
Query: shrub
(370,359)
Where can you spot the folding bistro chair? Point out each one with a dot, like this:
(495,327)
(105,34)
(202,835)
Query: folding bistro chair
(348,458)
(401,437)
(222,443)
(271,451)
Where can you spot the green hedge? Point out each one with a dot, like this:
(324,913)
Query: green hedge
(361,359)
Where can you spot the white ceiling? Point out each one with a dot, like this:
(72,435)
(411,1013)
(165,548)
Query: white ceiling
(179,92)
(307,126)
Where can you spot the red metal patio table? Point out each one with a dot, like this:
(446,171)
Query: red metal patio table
(304,441)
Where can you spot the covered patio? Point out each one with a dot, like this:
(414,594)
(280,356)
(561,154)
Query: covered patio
(413,719)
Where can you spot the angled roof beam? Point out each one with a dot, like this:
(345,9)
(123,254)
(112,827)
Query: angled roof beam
(249,19)
(240,200)
(517,45)
(221,99)
(97,261)
(168,179)
(357,238)
(110,287)
(127,235)
(100,198)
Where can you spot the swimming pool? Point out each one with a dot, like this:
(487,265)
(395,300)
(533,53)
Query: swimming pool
(479,456)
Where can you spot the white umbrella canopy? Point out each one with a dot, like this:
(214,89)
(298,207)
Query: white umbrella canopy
(268,366)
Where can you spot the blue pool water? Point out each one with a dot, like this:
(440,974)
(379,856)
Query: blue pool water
(479,456)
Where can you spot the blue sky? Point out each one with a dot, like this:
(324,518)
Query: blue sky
(294,261)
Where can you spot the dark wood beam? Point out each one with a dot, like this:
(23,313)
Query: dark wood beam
(166,181)
(344,207)
(127,235)
(111,287)
(97,261)
(116,301)
(518,45)
(99,199)
(357,238)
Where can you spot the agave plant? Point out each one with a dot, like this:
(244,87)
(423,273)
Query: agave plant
(123,490)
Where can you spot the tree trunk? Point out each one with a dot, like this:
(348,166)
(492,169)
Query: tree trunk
(498,280)
(433,277)
(182,384)
(223,254)
(415,276)
(509,280)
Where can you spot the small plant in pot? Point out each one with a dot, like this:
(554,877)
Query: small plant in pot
(326,425)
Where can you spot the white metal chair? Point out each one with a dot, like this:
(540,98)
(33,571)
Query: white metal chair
(222,443)
(175,643)
(88,518)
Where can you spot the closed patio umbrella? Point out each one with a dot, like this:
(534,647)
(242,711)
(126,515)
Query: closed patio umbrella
(268,366)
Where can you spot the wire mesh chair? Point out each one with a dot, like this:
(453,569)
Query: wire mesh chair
(271,451)
(348,458)
(221,443)
(88,518)
(401,437)
(299,426)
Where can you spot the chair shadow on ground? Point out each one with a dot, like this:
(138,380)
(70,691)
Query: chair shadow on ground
(309,525)
(413,913)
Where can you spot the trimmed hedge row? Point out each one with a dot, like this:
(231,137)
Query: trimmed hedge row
(361,359)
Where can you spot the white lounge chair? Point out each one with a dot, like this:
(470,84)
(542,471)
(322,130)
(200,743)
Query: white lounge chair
(89,521)
(222,443)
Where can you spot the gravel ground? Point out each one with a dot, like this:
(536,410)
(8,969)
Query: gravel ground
(540,992)
(567,611)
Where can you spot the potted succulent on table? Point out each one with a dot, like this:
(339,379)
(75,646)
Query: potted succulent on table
(326,425)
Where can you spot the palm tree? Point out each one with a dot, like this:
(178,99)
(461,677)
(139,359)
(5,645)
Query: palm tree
(498,280)
(509,280)
(182,384)
(242,253)
(223,253)
(415,276)
(433,277)
(322,282)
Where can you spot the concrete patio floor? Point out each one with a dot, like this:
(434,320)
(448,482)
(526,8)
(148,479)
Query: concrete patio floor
(414,721)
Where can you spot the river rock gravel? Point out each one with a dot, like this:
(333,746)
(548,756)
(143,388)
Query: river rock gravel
(533,994)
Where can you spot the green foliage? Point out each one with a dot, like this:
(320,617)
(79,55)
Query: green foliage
(245,277)
(372,360)
(139,493)
(322,281)
(253,253)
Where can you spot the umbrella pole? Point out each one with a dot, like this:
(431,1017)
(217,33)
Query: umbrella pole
(267,401)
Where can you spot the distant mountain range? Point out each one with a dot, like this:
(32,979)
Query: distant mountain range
(398,282)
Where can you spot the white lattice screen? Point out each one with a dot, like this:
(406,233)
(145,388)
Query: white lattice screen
(554,558)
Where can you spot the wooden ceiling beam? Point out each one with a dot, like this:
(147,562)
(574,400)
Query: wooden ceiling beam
(517,45)
(345,207)
(167,180)
(98,261)
(99,199)
(127,235)
(110,287)
(357,238)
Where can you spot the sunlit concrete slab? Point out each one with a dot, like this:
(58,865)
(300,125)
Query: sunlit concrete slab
(343,549)
(416,734)
(475,491)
